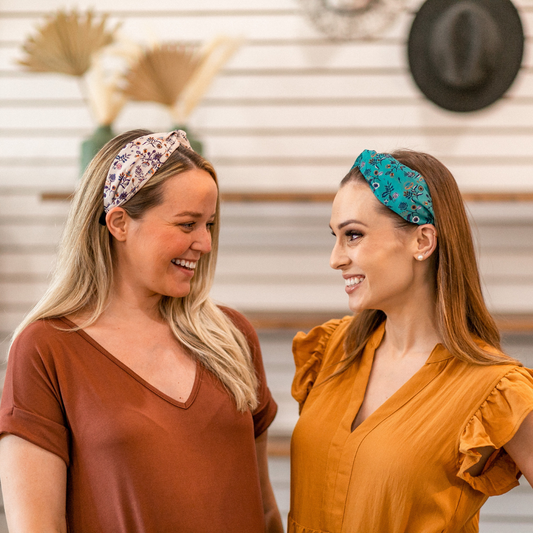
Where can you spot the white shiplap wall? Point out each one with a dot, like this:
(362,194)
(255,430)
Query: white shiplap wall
(289,112)
(291,109)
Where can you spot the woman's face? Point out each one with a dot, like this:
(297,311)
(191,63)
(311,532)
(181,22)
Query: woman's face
(375,257)
(161,249)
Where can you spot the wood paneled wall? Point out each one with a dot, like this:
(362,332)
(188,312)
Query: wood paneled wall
(289,113)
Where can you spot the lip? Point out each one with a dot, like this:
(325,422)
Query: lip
(348,276)
(186,271)
(349,289)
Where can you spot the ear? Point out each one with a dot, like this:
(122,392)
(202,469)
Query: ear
(117,222)
(426,241)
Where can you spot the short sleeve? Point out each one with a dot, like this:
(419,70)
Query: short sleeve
(31,406)
(267,408)
(494,424)
(308,351)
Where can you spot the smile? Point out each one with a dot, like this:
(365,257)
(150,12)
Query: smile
(191,265)
(350,282)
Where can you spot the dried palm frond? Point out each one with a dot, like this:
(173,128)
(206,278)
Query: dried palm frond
(214,56)
(161,73)
(67,43)
(105,97)
(104,79)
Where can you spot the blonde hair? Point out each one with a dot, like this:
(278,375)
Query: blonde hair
(83,276)
(462,316)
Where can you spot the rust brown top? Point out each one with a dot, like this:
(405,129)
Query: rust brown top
(137,460)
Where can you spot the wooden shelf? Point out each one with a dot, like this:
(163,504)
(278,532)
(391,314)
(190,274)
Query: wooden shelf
(508,323)
(316,197)
(279,446)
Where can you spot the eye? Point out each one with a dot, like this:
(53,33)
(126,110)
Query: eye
(187,225)
(210,225)
(353,235)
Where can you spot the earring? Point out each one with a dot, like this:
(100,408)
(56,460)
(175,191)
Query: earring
(420,257)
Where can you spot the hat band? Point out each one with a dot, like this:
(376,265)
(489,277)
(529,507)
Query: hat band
(398,187)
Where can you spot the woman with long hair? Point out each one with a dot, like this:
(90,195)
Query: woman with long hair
(410,413)
(132,403)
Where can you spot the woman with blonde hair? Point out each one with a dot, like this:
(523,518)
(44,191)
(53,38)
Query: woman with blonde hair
(132,403)
(411,414)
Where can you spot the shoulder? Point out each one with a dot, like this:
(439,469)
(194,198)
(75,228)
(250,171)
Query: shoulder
(311,349)
(41,333)
(239,320)
(325,337)
(41,344)
(246,328)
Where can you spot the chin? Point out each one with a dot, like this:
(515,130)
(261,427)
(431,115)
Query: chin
(355,305)
(176,292)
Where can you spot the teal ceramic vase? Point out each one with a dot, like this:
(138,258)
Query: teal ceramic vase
(91,145)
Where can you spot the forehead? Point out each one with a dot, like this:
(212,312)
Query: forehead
(354,200)
(192,183)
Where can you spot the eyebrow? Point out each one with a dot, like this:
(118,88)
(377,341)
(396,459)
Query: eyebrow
(192,214)
(348,222)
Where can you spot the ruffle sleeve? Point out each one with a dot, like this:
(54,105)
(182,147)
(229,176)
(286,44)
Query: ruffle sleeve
(494,424)
(308,350)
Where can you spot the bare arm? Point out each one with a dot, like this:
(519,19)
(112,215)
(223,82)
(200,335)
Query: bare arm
(34,483)
(270,507)
(520,448)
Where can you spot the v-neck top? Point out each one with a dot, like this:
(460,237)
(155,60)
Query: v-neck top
(137,460)
(403,469)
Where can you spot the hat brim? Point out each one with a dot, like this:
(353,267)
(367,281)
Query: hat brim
(507,63)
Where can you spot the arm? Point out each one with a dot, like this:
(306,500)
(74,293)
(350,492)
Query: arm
(34,483)
(270,507)
(520,448)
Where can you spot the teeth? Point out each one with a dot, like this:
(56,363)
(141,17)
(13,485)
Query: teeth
(350,282)
(186,264)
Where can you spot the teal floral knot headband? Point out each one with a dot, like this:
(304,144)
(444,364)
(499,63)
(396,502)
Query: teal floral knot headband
(136,163)
(396,186)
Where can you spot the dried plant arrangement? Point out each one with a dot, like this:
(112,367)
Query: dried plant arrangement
(67,43)
(161,73)
(178,75)
(104,79)
(72,43)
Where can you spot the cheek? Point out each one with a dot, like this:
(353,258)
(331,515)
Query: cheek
(390,266)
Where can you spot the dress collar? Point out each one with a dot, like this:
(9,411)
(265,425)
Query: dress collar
(438,354)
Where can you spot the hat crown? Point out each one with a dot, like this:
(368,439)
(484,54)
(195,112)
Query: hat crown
(464,46)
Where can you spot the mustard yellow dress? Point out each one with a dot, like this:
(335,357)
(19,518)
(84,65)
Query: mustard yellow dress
(404,468)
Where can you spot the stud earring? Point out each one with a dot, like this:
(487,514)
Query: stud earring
(420,257)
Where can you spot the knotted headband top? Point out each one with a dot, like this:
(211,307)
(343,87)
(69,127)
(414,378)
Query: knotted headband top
(396,186)
(136,163)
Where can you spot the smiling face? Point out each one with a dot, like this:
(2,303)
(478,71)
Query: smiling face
(376,258)
(156,254)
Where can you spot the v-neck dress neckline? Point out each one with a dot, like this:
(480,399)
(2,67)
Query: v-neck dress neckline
(403,394)
(95,344)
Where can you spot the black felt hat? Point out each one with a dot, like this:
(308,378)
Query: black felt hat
(464,54)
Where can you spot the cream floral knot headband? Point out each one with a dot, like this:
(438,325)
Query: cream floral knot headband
(136,163)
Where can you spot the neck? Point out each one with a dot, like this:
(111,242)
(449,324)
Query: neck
(128,304)
(412,327)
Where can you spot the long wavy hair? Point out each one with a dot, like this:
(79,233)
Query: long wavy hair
(462,315)
(83,277)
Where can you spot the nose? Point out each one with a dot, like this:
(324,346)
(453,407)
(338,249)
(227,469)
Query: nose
(338,258)
(202,241)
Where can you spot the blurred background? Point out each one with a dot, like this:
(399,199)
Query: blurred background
(283,95)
